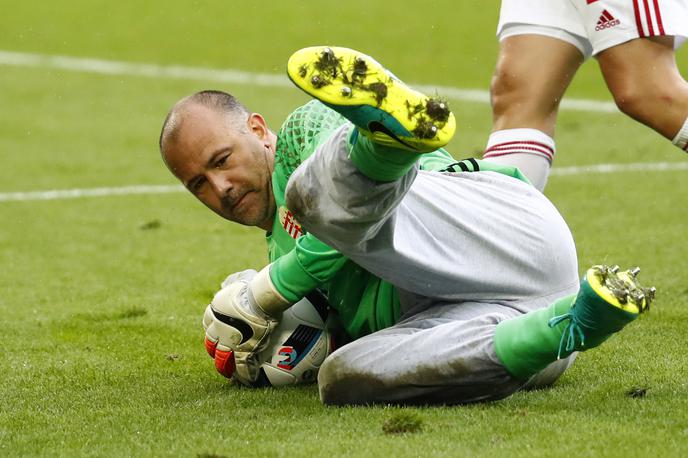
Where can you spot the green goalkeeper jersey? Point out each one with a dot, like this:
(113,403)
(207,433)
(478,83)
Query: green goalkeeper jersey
(302,263)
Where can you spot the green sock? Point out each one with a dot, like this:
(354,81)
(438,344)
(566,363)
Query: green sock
(527,344)
(378,162)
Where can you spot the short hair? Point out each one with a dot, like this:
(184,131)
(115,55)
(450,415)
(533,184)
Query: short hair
(219,101)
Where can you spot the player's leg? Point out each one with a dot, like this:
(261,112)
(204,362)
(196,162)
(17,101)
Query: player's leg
(541,46)
(530,79)
(481,351)
(459,236)
(607,301)
(444,354)
(646,84)
(634,43)
(531,76)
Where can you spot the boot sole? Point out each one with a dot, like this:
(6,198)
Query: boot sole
(620,289)
(378,103)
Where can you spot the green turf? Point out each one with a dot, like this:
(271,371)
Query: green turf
(102,346)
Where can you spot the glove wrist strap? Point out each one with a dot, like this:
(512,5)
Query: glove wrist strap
(265,295)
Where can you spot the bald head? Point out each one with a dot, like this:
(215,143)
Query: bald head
(220,102)
(223,154)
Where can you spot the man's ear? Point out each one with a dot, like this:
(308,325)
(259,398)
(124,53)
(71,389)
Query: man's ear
(257,126)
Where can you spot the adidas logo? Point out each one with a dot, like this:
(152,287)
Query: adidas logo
(606,21)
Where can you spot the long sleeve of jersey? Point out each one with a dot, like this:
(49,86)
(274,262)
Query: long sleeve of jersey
(309,265)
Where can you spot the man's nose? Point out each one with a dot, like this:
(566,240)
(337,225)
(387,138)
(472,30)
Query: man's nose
(220,184)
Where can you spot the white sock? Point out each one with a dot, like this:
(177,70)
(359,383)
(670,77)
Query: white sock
(531,150)
(681,139)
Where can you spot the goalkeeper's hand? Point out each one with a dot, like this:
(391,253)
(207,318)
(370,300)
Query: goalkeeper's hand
(238,323)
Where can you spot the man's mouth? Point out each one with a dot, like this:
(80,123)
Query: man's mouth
(238,202)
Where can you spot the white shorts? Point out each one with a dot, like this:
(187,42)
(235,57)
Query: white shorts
(595,25)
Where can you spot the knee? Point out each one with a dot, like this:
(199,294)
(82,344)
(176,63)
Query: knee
(518,101)
(341,384)
(301,199)
(630,98)
(637,99)
(504,92)
(329,386)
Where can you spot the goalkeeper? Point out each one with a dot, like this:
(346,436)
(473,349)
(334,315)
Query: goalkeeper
(456,281)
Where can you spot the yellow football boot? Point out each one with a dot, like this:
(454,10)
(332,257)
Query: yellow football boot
(382,107)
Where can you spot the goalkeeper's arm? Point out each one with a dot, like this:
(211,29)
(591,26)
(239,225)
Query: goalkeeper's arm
(288,279)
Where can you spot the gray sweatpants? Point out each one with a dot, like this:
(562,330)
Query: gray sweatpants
(466,250)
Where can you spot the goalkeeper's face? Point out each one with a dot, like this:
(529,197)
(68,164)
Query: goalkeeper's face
(227,165)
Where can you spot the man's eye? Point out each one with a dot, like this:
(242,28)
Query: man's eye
(221,161)
(197,185)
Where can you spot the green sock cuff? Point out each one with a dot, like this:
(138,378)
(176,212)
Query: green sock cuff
(525,345)
(378,162)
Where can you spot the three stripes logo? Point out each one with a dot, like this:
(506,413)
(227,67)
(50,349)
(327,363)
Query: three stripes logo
(648,18)
(606,21)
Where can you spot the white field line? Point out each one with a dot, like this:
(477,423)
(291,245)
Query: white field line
(616,168)
(89,192)
(231,76)
(166,189)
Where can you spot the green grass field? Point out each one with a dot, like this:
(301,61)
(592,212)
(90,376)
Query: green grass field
(102,346)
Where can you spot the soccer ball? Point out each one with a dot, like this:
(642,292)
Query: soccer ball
(298,346)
